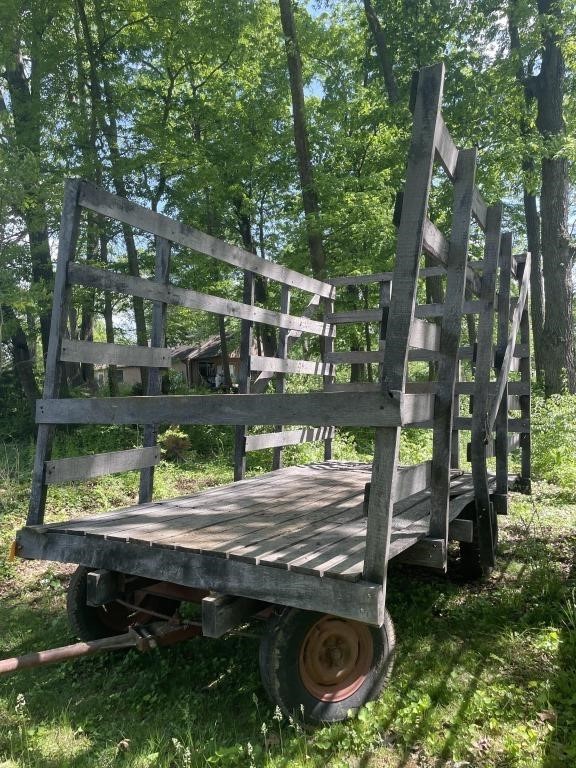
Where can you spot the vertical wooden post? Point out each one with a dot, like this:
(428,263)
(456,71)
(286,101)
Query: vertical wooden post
(69,225)
(525,377)
(244,376)
(501,424)
(280,381)
(327,343)
(450,343)
(402,303)
(455,439)
(157,339)
(486,520)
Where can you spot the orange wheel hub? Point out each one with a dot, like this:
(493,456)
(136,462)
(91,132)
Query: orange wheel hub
(335,658)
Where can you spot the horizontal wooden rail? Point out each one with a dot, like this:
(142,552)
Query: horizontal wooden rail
(381,277)
(289,437)
(377,356)
(412,479)
(421,311)
(81,274)
(316,408)
(84,467)
(514,425)
(514,387)
(284,365)
(114,354)
(412,387)
(514,443)
(100,201)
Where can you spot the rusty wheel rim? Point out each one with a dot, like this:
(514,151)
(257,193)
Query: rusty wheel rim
(335,658)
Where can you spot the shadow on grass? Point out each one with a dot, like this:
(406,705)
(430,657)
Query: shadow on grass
(452,637)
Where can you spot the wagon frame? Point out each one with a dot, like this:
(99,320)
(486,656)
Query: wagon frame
(315,540)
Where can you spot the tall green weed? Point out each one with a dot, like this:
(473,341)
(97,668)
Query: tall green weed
(554,441)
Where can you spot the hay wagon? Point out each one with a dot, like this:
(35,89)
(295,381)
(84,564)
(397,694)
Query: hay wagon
(305,547)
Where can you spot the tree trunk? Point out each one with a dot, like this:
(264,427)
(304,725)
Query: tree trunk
(21,357)
(104,105)
(558,348)
(382,52)
(531,214)
(27,116)
(309,191)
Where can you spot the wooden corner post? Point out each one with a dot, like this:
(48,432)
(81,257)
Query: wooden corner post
(69,224)
(401,314)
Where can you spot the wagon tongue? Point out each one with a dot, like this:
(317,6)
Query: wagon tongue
(140,637)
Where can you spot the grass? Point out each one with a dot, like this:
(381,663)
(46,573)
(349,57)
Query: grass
(485,674)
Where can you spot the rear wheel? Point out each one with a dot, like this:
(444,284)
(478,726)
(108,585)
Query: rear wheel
(319,668)
(90,622)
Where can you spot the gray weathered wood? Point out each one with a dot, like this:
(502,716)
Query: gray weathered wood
(290,437)
(115,354)
(461,530)
(427,552)
(279,365)
(184,297)
(82,467)
(464,174)
(514,387)
(484,363)
(421,311)
(327,346)
(402,303)
(157,340)
(381,277)
(221,613)
(446,150)
(480,209)
(280,381)
(317,408)
(511,344)
(361,601)
(99,200)
(501,420)
(525,373)
(69,224)
(244,377)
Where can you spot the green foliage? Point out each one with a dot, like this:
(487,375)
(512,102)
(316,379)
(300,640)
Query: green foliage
(174,443)
(554,441)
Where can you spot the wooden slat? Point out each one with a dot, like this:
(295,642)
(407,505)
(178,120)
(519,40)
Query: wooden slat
(291,437)
(479,209)
(157,340)
(183,297)
(83,467)
(381,277)
(484,364)
(99,200)
(507,357)
(446,150)
(450,342)
(280,380)
(316,408)
(501,422)
(436,246)
(279,365)
(514,444)
(421,311)
(114,354)
(514,387)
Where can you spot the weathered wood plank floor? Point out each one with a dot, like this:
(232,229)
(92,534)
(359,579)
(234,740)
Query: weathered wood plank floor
(307,519)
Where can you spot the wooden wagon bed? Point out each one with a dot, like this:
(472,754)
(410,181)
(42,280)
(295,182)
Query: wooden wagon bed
(306,519)
(447,332)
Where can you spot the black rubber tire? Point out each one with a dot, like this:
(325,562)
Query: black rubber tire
(89,622)
(280,650)
(471,566)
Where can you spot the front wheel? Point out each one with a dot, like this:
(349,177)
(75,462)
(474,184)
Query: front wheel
(319,668)
(94,622)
